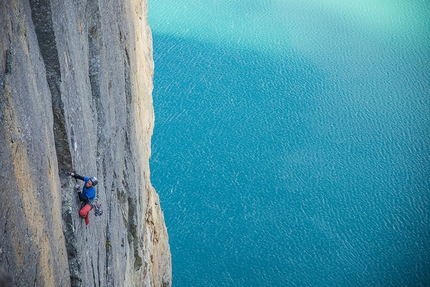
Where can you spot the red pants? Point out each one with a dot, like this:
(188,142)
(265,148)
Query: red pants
(85,212)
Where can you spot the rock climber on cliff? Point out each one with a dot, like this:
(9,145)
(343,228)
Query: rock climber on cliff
(87,196)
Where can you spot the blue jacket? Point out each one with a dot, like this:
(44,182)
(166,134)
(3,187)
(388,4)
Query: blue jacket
(89,192)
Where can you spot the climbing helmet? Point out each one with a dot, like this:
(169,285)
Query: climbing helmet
(94,180)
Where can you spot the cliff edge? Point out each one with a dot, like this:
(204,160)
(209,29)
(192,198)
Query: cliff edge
(75,95)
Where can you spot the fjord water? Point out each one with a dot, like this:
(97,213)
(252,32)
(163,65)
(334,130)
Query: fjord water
(291,143)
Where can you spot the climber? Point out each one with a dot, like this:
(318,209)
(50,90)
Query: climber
(87,196)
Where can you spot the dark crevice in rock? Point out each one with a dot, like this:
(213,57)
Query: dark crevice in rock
(41,14)
(109,275)
(133,238)
(132,198)
(42,18)
(8,70)
(128,88)
(98,266)
(108,251)
(94,273)
(95,42)
(8,60)
(132,219)
(35,275)
(71,246)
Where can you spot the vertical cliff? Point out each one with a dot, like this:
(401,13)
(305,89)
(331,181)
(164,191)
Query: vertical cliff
(75,94)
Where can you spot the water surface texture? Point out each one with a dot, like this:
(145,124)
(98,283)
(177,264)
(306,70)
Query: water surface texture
(291,143)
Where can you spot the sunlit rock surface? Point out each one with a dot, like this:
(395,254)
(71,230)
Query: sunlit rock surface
(75,95)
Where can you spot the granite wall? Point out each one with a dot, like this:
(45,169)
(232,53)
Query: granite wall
(75,95)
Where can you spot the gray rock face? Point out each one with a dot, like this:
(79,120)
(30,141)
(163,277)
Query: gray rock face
(75,95)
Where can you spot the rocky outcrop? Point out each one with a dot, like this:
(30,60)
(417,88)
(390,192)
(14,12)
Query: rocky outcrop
(75,94)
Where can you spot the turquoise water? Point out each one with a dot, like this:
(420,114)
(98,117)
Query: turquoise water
(291,143)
